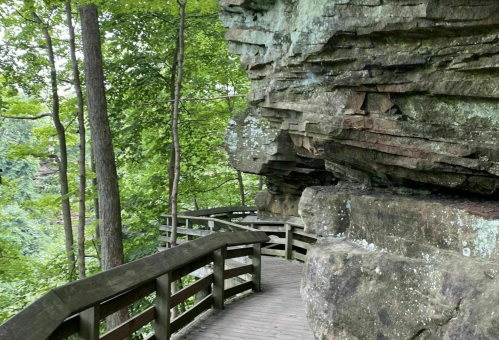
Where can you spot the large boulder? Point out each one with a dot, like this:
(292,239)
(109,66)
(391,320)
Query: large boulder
(355,292)
(403,221)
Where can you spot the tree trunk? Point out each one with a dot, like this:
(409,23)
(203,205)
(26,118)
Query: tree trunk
(98,247)
(241,187)
(63,159)
(260,183)
(176,143)
(171,166)
(109,198)
(81,131)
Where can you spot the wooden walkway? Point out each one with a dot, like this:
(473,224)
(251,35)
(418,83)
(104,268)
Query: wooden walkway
(275,313)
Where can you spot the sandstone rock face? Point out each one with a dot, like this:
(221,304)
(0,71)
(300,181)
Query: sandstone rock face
(381,118)
(403,223)
(384,92)
(354,293)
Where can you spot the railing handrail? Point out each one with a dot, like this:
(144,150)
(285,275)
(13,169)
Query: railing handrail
(40,319)
(213,219)
(217,211)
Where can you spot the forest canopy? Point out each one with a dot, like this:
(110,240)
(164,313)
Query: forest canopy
(42,127)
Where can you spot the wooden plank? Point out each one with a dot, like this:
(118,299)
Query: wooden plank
(238,271)
(89,324)
(277,240)
(289,242)
(273,252)
(219,278)
(291,220)
(243,238)
(124,300)
(191,290)
(302,233)
(191,314)
(81,294)
(301,244)
(131,326)
(162,308)
(271,229)
(185,231)
(238,289)
(299,256)
(193,266)
(216,211)
(256,265)
(37,321)
(239,252)
(69,327)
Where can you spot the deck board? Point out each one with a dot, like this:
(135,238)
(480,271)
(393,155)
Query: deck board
(275,313)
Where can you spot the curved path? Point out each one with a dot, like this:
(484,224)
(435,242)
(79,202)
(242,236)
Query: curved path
(275,313)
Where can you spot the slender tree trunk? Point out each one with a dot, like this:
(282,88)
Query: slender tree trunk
(241,187)
(260,183)
(81,131)
(176,143)
(109,196)
(63,159)
(98,247)
(171,166)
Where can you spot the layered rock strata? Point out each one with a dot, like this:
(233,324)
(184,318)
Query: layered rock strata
(384,92)
(377,122)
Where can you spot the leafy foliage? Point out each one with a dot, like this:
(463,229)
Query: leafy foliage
(139,39)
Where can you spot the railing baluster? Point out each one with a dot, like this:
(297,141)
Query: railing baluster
(188,225)
(289,242)
(162,325)
(256,276)
(219,278)
(89,324)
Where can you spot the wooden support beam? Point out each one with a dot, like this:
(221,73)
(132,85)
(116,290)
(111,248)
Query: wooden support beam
(289,242)
(257,268)
(238,271)
(89,324)
(219,278)
(162,325)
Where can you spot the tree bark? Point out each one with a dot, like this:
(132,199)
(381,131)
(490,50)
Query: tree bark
(63,158)
(176,143)
(109,198)
(260,183)
(96,208)
(171,166)
(81,131)
(241,187)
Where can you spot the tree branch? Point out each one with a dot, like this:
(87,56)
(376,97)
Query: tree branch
(27,117)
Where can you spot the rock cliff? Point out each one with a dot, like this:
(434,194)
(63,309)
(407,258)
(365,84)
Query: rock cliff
(377,121)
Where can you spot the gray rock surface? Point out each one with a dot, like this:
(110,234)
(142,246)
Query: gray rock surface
(353,293)
(400,97)
(385,92)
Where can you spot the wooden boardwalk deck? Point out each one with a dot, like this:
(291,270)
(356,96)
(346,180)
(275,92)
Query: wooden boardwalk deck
(275,313)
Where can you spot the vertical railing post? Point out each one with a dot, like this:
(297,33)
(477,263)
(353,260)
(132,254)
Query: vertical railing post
(162,329)
(256,277)
(219,278)
(168,233)
(188,225)
(89,324)
(289,242)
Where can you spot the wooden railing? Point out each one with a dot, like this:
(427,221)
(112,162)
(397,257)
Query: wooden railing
(287,237)
(79,306)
